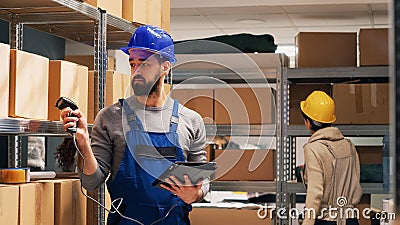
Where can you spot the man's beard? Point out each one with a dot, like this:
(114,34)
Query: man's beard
(145,89)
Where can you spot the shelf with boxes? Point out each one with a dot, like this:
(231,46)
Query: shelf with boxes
(324,76)
(57,201)
(69,19)
(240,95)
(361,96)
(328,62)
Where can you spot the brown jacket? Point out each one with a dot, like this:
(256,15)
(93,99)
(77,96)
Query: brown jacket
(332,172)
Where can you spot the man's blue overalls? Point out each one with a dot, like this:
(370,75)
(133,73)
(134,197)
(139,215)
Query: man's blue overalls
(146,156)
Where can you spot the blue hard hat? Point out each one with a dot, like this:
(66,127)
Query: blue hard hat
(153,39)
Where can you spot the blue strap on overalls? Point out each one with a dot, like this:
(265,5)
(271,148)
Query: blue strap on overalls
(131,116)
(135,121)
(174,117)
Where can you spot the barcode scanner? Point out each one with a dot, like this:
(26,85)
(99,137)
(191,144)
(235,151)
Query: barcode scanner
(64,102)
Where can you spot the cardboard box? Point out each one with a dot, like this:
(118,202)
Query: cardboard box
(9,204)
(88,60)
(63,202)
(374,47)
(370,154)
(79,203)
(166,15)
(244,106)
(199,100)
(46,202)
(298,93)
(152,12)
(69,204)
(113,7)
(116,86)
(29,207)
(92,209)
(361,103)
(221,216)
(320,49)
(68,80)
(91,109)
(245,165)
(29,77)
(4,78)
(36,203)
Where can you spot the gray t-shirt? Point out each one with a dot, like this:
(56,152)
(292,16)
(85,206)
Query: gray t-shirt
(108,140)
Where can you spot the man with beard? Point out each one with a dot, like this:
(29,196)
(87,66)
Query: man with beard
(135,139)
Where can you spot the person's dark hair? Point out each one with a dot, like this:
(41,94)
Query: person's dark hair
(65,155)
(162,59)
(315,125)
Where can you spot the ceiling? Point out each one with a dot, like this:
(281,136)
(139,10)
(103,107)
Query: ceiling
(283,19)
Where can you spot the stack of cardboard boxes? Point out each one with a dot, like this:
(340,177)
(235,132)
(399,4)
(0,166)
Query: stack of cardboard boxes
(46,202)
(152,12)
(355,103)
(31,85)
(116,86)
(236,106)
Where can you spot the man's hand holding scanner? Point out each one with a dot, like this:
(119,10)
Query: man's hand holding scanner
(77,119)
(76,125)
(187,191)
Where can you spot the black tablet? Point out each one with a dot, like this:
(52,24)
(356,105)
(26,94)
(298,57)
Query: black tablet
(195,170)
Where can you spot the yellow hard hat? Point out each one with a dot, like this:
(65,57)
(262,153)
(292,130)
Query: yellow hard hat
(319,107)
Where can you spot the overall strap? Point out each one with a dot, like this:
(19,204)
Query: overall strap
(353,149)
(174,117)
(329,148)
(133,120)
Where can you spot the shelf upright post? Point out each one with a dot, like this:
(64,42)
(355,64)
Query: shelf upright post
(100,60)
(16,32)
(292,170)
(395,104)
(14,151)
(14,141)
(100,67)
(282,148)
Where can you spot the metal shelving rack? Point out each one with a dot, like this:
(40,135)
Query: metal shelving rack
(285,134)
(300,75)
(333,75)
(274,72)
(67,19)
